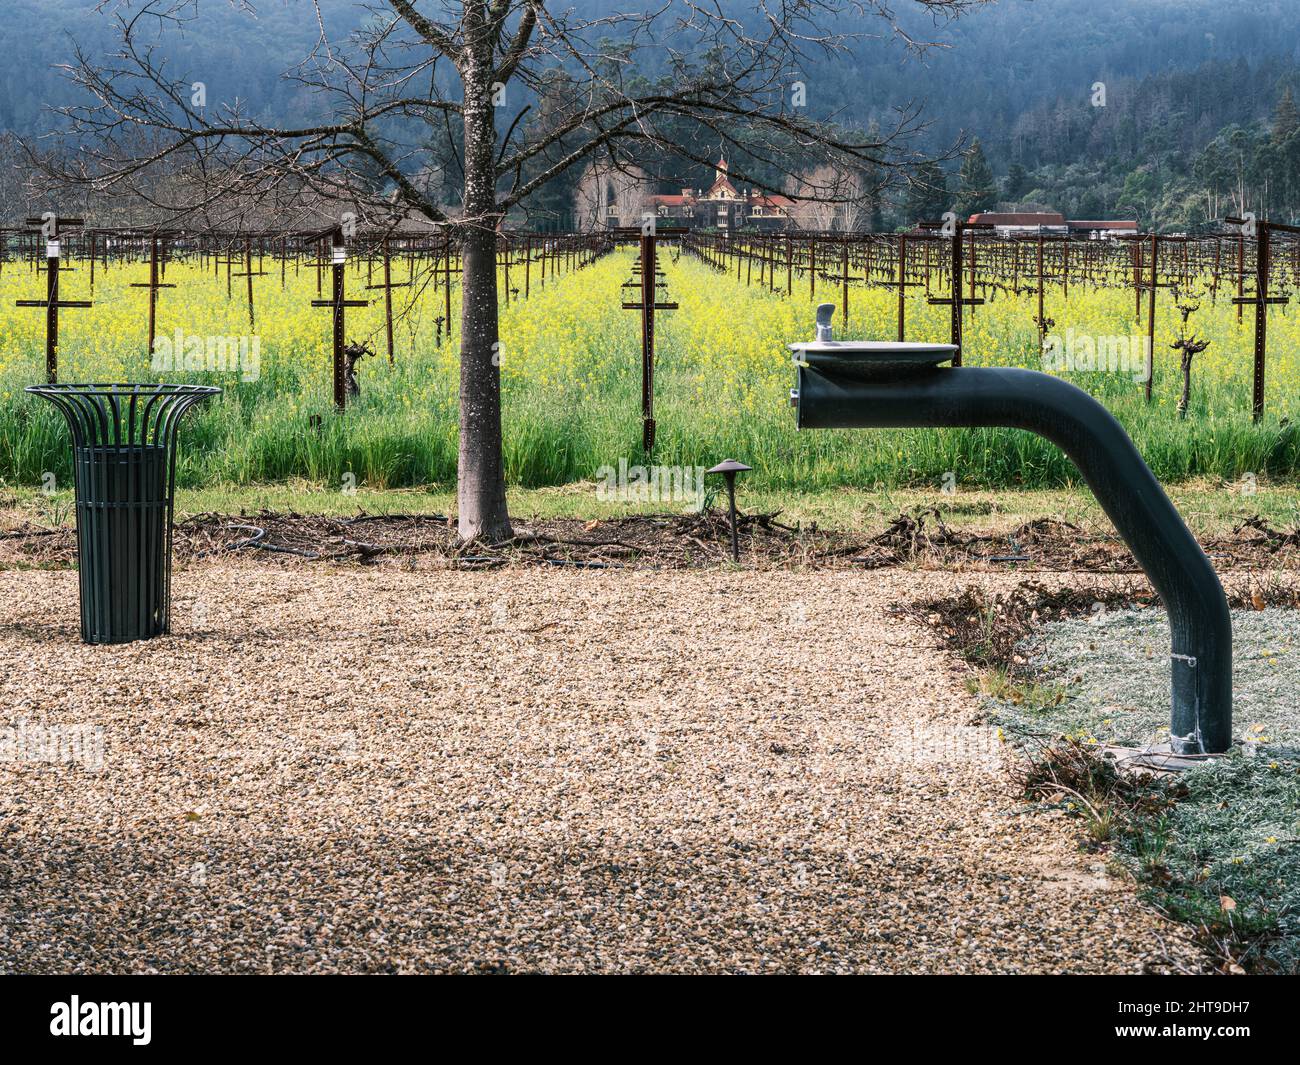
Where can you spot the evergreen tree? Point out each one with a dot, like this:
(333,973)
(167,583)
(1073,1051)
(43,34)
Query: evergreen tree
(978,190)
(1017,181)
(927,194)
(1286,117)
(1283,152)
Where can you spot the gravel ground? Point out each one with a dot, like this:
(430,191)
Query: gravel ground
(526,769)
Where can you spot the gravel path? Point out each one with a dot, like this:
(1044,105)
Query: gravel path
(525,769)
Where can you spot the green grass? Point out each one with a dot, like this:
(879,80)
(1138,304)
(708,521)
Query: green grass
(571,383)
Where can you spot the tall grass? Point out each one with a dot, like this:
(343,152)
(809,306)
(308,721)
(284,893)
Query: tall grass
(571,379)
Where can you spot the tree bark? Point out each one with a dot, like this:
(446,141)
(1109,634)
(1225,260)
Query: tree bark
(481,493)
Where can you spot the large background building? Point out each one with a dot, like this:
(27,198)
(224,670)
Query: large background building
(723,206)
(607,198)
(1051,224)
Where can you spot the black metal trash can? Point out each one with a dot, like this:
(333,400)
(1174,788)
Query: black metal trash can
(124,464)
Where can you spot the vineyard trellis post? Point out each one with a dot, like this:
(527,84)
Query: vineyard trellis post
(1261,301)
(229,261)
(52,303)
(153,285)
(1241,271)
(338,304)
(902,284)
(1151,314)
(388,285)
(1151,287)
(1040,271)
(843,277)
(1042,294)
(844,283)
(955,268)
(446,279)
(248,273)
(649,303)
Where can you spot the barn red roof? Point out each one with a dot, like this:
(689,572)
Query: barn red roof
(1019,218)
(1101,224)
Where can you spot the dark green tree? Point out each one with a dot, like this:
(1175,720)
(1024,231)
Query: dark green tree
(1017,181)
(1286,117)
(978,191)
(1283,161)
(927,194)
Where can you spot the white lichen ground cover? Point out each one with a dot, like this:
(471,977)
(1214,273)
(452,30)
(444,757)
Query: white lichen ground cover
(1235,836)
(1115,664)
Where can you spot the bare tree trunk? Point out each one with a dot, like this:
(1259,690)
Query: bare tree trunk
(481,495)
(217,165)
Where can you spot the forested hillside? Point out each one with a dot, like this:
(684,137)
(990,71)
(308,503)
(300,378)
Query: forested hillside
(1187,128)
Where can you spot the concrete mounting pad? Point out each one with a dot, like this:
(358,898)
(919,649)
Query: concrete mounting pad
(1156,758)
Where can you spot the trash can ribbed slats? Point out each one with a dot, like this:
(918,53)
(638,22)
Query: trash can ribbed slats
(124,476)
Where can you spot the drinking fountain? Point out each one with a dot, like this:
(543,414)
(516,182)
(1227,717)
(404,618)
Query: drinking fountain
(853,384)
